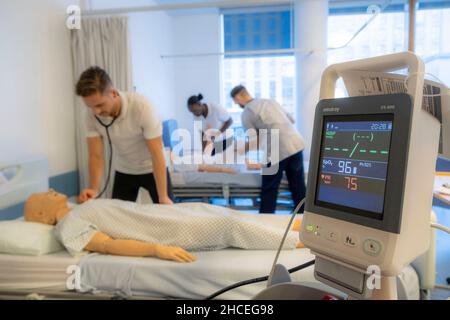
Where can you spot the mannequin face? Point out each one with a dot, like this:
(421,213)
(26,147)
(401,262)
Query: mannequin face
(46,207)
(105,104)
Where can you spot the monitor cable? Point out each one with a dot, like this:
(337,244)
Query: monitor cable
(269,277)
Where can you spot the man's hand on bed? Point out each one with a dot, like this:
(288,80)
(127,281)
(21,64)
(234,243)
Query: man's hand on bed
(165,200)
(86,194)
(173,253)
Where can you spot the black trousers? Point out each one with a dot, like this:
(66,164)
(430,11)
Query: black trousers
(293,166)
(126,186)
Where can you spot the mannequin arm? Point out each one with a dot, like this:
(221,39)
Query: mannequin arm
(102,243)
(211,168)
(253,166)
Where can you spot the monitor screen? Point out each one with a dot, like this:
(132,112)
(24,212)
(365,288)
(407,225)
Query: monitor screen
(353,163)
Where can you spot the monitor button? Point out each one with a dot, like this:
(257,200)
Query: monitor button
(350,240)
(372,247)
(332,236)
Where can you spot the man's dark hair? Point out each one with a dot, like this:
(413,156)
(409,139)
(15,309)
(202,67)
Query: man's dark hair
(236,90)
(93,80)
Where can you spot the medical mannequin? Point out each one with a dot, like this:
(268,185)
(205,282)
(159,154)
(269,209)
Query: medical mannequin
(187,163)
(51,207)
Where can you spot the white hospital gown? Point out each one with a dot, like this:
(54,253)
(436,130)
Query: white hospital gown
(192,226)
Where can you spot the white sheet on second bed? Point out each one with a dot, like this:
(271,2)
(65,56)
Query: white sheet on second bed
(243,179)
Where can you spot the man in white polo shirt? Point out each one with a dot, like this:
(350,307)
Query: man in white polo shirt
(265,114)
(135,132)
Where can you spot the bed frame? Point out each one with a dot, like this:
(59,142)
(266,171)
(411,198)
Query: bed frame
(32,176)
(231,194)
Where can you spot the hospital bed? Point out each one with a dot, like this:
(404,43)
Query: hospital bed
(114,277)
(238,191)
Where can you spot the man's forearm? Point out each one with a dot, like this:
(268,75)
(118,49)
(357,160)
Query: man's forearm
(96,167)
(252,144)
(226,125)
(159,171)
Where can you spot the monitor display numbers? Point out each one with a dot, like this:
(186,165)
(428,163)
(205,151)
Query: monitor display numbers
(353,163)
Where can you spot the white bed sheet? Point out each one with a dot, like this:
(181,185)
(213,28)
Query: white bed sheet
(127,276)
(243,179)
(212,271)
(35,272)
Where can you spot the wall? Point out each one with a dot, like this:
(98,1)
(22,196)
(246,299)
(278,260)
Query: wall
(36,113)
(150,37)
(309,67)
(194,34)
(168,81)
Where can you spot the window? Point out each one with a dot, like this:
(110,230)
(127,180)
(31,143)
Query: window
(243,69)
(258,89)
(288,87)
(229,101)
(262,86)
(432,39)
(263,75)
(257,31)
(273,89)
(385,34)
(257,68)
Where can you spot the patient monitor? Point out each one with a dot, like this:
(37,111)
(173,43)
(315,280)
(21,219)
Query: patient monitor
(370,181)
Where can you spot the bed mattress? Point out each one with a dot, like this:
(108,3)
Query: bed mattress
(35,272)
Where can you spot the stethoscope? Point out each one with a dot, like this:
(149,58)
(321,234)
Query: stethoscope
(106,126)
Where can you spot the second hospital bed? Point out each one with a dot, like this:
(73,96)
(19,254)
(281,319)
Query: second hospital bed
(239,191)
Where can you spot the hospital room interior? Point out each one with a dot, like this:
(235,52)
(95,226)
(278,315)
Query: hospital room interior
(225,149)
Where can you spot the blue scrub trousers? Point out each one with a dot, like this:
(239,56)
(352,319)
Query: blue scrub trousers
(293,166)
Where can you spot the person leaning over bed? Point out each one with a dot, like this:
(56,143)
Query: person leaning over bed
(266,114)
(215,121)
(136,137)
(126,228)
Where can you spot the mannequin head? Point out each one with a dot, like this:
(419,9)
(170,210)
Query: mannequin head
(46,207)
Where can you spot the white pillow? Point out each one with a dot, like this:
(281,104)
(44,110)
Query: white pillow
(27,238)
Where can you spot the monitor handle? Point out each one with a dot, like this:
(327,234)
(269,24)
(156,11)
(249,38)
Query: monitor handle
(389,62)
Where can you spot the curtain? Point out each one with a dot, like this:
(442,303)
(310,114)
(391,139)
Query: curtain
(103,42)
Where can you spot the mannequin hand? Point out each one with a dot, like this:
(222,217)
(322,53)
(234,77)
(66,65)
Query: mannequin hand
(165,200)
(173,253)
(86,195)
